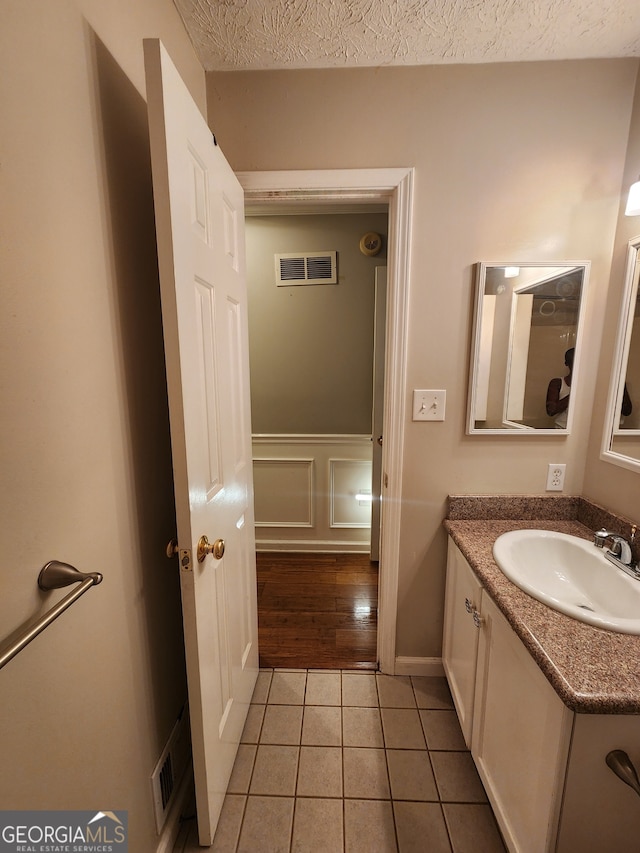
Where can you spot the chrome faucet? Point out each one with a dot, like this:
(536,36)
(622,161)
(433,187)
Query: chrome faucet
(620,547)
(620,553)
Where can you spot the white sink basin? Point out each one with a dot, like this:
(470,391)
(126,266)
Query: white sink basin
(571,575)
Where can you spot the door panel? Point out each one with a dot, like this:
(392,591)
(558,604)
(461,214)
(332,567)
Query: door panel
(199,217)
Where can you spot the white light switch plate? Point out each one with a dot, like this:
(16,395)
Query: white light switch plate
(429,405)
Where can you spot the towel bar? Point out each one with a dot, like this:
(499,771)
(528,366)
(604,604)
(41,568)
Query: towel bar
(52,576)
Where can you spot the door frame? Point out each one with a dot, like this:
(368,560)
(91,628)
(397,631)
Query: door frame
(361,186)
(377,433)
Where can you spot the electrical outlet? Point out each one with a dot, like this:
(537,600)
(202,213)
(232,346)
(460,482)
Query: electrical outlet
(555,476)
(429,405)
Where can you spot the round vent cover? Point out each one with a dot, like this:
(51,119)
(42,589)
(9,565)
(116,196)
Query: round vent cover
(371,243)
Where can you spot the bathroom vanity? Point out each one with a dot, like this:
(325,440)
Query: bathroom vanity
(542,698)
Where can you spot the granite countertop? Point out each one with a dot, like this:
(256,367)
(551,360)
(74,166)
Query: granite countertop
(594,671)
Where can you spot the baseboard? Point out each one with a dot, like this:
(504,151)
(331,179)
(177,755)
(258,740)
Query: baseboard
(419,666)
(312,546)
(172,825)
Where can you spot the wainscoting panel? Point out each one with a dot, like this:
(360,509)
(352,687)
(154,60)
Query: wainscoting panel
(306,492)
(350,478)
(283,492)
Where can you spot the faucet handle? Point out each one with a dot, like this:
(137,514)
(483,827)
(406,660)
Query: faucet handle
(601,536)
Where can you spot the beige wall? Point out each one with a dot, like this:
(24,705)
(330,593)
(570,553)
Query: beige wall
(520,161)
(511,161)
(311,346)
(609,484)
(86,469)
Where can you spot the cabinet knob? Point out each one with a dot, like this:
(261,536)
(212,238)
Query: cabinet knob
(477,619)
(622,766)
(468,606)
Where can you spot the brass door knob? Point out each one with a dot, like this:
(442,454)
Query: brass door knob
(205,547)
(172,548)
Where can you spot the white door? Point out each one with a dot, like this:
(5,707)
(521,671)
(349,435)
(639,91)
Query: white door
(200,230)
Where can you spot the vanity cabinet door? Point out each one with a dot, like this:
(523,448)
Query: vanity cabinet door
(600,812)
(460,638)
(520,737)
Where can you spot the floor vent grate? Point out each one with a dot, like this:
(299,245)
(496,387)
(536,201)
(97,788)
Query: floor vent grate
(170,768)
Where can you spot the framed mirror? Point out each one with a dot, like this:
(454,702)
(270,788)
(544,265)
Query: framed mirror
(621,440)
(526,345)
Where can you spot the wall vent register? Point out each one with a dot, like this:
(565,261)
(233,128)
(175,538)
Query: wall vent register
(306,268)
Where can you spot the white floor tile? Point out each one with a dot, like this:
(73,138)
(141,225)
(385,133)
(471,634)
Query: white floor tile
(320,772)
(282,724)
(395,691)
(287,688)
(368,826)
(228,831)
(253,724)
(322,726)
(317,826)
(359,690)
(242,769)
(421,827)
(323,689)
(411,775)
(362,727)
(267,825)
(275,770)
(402,729)
(365,774)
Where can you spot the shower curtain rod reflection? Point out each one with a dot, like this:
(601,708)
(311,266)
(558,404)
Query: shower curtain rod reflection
(53,575)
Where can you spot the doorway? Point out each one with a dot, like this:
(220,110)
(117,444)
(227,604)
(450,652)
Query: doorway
(313,281)
(313,347)
(372,186)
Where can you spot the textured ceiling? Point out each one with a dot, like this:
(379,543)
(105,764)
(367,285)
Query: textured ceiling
(261,34)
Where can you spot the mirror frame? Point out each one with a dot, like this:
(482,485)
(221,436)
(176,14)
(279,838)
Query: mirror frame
(480,278)
(620,360)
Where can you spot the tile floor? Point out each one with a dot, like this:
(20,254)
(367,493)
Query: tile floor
(352,761)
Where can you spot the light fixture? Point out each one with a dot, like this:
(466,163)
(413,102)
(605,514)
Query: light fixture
(511,272)
(633,201)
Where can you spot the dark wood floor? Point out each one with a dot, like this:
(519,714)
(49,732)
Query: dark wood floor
(317,611)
